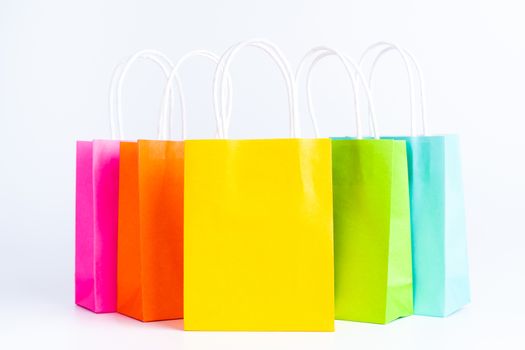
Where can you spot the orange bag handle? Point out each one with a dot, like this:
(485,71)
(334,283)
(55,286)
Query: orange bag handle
(173,76)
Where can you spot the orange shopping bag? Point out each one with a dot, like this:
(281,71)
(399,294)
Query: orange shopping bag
(150,244)
(150,247)
(149,269)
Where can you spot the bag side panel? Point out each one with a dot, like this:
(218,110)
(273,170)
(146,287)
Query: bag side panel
(400,291)
(129,266)
(457,288)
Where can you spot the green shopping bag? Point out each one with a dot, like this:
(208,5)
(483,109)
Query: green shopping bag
(372,246)
(373,266)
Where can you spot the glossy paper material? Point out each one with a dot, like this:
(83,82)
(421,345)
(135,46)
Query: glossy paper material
(441,284)
(96,225)
(150,246)
(373,262)
(258,249)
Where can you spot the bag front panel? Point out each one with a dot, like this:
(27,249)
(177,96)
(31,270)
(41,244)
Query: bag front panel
(362,172)
(258,235)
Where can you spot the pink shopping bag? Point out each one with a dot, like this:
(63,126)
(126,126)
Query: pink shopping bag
(97,184)
(96,225)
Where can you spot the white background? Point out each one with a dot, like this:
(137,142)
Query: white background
(56,59)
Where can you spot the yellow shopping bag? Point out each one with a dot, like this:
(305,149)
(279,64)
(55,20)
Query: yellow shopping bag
(258,241)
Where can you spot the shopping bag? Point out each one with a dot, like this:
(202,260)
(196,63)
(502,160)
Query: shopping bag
(150,236)
(96,225)
(440,264)
(97,182)
(441,283)
(150,245)
(373,270)
(258,245)
(151,218)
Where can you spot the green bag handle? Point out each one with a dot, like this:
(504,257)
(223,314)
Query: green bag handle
(408,59)
(320,52)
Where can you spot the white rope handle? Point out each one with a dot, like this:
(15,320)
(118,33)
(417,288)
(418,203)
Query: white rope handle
(222,112)
(407,58)
(350,66)
(114,125)
(115,96)
(164,119)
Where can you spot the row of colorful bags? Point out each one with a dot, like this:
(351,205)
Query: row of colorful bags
(270,234)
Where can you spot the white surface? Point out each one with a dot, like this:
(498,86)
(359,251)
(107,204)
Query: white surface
(56,59)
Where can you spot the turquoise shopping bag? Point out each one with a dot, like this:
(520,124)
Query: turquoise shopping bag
(439,245)
(439,253)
